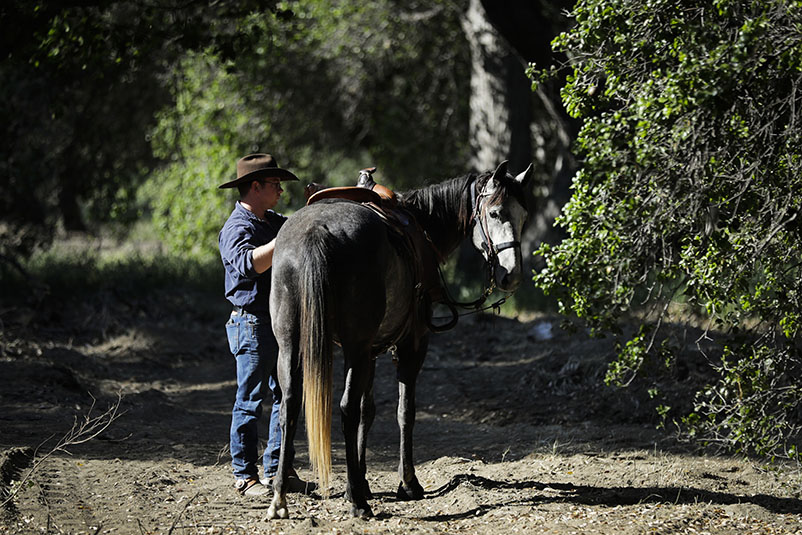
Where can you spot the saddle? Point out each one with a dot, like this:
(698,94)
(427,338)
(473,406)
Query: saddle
(365,191)
(316,192)
(411,239)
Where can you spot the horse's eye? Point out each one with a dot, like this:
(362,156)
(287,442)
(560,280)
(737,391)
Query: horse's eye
(494,215)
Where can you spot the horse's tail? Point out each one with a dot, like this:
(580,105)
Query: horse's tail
(316,352)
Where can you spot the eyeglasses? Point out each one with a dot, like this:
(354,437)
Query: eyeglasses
(277,183)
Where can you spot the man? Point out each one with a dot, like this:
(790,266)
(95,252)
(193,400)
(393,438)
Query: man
(246,247)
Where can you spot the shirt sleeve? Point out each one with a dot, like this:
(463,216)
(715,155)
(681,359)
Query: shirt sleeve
(236,247)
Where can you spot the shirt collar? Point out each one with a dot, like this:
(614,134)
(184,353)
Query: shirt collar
(247,213)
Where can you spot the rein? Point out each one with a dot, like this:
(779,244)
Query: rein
(472,307)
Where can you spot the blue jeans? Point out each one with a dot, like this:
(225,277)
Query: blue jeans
(251,340)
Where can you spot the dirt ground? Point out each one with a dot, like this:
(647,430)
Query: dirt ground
(514,435)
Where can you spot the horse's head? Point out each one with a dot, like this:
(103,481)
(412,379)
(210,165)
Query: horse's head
(499,214)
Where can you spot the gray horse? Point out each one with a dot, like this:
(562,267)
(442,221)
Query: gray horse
(339,274)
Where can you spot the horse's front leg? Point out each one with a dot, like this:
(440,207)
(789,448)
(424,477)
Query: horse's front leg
(410,361)
(358,371)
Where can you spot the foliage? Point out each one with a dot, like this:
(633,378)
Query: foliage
(690,192)
(206,119)
(328,87)
(81,82)
(78,271)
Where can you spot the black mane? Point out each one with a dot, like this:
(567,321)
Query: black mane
(443,202)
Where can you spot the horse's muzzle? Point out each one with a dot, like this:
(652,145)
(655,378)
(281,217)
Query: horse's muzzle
(507,281)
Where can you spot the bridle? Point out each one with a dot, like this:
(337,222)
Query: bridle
(479,217)
(491,250)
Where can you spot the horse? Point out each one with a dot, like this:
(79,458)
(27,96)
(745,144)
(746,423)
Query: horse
(340,276)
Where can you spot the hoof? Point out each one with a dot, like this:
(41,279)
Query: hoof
(273,513)
(277,509)
(411,491)
(363,511)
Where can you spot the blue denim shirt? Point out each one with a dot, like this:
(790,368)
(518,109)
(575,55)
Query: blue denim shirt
(242,233)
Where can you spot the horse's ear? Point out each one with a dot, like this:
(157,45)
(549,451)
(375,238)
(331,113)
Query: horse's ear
(501,171)
(525,178)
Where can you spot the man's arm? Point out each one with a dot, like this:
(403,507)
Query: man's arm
(263,256)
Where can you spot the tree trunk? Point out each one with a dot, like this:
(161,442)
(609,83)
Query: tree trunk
(500,101)
(509,121)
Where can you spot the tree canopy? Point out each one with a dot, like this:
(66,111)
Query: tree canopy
(689,194)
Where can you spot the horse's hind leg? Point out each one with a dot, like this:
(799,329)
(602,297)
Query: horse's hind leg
(410,361)
(367,416)
(290,378)
(358,374)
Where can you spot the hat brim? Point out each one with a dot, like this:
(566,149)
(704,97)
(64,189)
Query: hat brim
(273,172)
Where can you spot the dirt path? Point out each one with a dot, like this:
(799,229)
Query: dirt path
(514,435)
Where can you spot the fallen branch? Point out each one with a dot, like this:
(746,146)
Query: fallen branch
(178,517)
(82,431)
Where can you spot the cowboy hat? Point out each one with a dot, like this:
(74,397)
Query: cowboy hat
(256,166)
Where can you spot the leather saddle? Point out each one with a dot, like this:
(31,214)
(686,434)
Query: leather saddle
(365,191)
(349,193)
